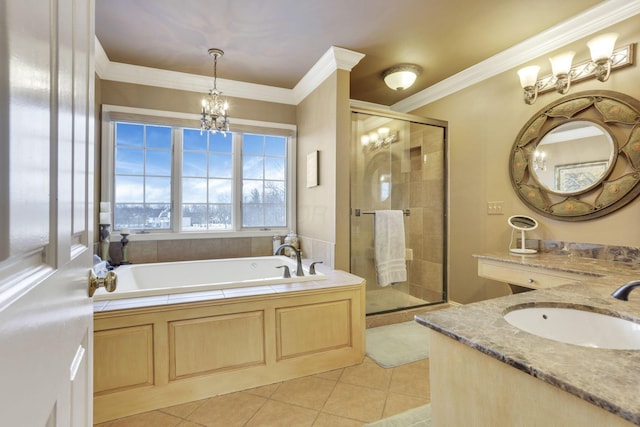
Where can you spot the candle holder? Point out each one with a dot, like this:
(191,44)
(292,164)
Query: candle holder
(124,241)
(105,241)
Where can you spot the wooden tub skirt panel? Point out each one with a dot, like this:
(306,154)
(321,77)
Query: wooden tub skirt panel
(313,328)
(153,357)
(123,359)
(206,345)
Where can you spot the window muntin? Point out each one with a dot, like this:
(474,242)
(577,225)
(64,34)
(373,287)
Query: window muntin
(207,183)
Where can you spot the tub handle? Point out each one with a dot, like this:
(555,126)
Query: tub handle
(287,273)
(312,267)
(110,282)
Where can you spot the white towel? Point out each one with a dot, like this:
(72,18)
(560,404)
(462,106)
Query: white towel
(390,247)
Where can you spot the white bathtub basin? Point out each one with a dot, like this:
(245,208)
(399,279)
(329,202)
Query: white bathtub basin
(575,326)
(142,280)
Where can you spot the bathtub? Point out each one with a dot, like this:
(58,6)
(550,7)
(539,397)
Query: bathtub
(138,280)
(150,354)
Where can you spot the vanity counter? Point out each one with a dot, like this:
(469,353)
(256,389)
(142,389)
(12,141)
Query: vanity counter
(568,264)
(606,378)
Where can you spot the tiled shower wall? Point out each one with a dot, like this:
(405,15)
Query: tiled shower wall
(426,202)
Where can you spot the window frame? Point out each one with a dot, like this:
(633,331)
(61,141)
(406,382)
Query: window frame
(112,114)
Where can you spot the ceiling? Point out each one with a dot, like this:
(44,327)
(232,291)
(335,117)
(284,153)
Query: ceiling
(275,42)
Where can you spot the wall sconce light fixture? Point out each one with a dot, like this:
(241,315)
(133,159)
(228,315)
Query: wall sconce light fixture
(539,160)
(376,140)
(604,59)
(402,76)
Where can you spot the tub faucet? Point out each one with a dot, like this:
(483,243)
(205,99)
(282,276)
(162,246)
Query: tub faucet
(299,271)
(623,291)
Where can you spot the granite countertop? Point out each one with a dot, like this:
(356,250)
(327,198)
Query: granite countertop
(606,378)
(568,263)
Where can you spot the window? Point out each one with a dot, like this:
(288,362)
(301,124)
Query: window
(142,176)
(263,181)
(164,178)
(207,181)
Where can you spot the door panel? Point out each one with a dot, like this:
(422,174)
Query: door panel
(46,161)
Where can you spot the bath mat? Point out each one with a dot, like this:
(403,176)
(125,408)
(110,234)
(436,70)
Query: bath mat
(395,345)
(416,417)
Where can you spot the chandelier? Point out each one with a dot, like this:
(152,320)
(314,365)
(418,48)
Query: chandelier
(214,116)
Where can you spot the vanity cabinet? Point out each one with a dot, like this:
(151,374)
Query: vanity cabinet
(495,394)
(524,275)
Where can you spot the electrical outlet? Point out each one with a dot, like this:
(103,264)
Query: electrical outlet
(495,208)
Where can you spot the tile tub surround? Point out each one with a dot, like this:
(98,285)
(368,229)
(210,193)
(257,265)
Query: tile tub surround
(606,378)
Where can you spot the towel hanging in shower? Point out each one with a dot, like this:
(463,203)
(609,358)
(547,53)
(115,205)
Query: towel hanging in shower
(389,245)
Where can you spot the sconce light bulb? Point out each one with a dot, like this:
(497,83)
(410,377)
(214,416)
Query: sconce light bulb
(561,64)
(528,76)
(601,47)
(364,140)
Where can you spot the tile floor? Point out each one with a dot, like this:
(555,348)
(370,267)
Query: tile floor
(345,397)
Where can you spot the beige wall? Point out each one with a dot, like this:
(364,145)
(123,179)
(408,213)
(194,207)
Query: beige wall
(323,211)
(130,95)
(483,122)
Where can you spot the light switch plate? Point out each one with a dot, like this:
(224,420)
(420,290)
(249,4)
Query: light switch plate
(495,208)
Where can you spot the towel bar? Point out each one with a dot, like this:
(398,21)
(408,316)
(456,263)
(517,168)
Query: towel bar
(359,212)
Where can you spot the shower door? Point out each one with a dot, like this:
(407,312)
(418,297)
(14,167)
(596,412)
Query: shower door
(398,162)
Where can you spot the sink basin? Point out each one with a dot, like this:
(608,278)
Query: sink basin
(577,326)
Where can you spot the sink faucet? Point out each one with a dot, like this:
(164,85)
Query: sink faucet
(299,271)
(623,291)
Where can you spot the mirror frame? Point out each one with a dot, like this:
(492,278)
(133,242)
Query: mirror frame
(619,115)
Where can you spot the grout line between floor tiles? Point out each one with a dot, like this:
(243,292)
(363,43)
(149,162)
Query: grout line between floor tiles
(266,399)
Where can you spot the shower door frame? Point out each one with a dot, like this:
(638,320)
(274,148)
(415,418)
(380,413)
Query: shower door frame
(394,115)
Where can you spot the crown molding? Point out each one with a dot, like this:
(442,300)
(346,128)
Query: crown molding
(135,74)
(335,58)
(354,103)
(590,21)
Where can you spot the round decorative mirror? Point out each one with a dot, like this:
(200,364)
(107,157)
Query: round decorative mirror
(579,157)
(573,157)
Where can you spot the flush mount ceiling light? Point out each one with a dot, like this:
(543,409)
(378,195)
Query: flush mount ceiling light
(401,76)
(214,114)
(604,59)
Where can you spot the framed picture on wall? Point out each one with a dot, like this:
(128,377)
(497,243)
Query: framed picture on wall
(312,169)
(578,176)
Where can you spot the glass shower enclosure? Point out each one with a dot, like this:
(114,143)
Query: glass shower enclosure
(398,162)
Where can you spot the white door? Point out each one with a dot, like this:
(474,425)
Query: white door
(46,220)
